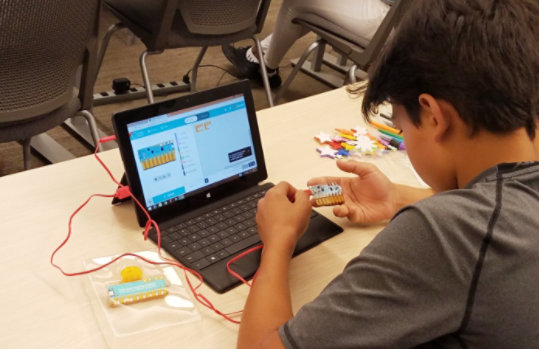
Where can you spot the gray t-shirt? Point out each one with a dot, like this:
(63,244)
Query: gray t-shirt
(457,270)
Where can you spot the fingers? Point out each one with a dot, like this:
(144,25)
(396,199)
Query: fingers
(293,195)
(341,211)
(350,166)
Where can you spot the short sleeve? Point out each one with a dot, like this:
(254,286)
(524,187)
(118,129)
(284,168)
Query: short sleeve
(407,287)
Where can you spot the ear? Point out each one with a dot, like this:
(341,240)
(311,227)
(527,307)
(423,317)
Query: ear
(435,116)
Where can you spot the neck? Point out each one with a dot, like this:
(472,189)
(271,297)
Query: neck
(486,150)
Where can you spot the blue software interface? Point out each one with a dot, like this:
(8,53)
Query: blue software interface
(187,151)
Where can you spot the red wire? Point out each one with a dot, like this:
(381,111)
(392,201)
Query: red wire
(241,255)
(149,223)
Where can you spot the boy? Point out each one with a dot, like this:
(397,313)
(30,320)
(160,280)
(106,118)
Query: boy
(457,269)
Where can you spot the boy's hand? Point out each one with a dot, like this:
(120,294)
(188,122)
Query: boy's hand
(283,215)
(368,198)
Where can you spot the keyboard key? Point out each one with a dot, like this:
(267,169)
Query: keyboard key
(201,263)
(203,233)
(183,251)
(228,214)
(247,214)
(174,245)
(195,246)
(218,246)
(223,234)
(222,254)
(212,259)
(218,218)
(250,223)
(226,242)
(206,251)
(195,256)
(193,229)
(231,231)
(243,244)
(238,219)
(204,242)
(183,232)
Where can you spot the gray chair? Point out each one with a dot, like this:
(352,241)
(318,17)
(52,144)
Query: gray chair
(168,24)
(48,54)
(361,52)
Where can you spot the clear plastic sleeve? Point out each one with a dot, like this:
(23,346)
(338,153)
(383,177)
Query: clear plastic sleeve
(129,323)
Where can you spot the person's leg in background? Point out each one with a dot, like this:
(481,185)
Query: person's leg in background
(359,16)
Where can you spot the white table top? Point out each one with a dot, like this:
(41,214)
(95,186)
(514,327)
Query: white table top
(44,309)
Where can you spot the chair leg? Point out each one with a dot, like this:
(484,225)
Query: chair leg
(93,127)
(264,72)
(194,70)
(318,55)
(26,153)
(352,74)
(298,66)
(145,77)
(106,39)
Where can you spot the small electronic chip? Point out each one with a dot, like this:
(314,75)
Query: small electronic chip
(137,291)
(327,194)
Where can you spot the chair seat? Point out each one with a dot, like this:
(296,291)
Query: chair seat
(141,13)
(325,26)
(181,37)
(28,128)
(140,16)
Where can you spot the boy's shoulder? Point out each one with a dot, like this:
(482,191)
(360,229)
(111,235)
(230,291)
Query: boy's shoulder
(512,186)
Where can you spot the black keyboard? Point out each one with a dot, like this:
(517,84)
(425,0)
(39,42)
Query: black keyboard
(215,235)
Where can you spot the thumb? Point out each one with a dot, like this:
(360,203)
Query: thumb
(356,167)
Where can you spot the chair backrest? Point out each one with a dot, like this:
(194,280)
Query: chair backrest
(42,46)
(360,52)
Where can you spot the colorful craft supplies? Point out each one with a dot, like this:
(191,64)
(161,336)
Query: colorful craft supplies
(358,141)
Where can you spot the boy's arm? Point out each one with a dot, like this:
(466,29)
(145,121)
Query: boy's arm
(283,215)
(268,305)
(406,195)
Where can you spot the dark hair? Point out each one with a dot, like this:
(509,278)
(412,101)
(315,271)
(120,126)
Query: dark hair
(482,56)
